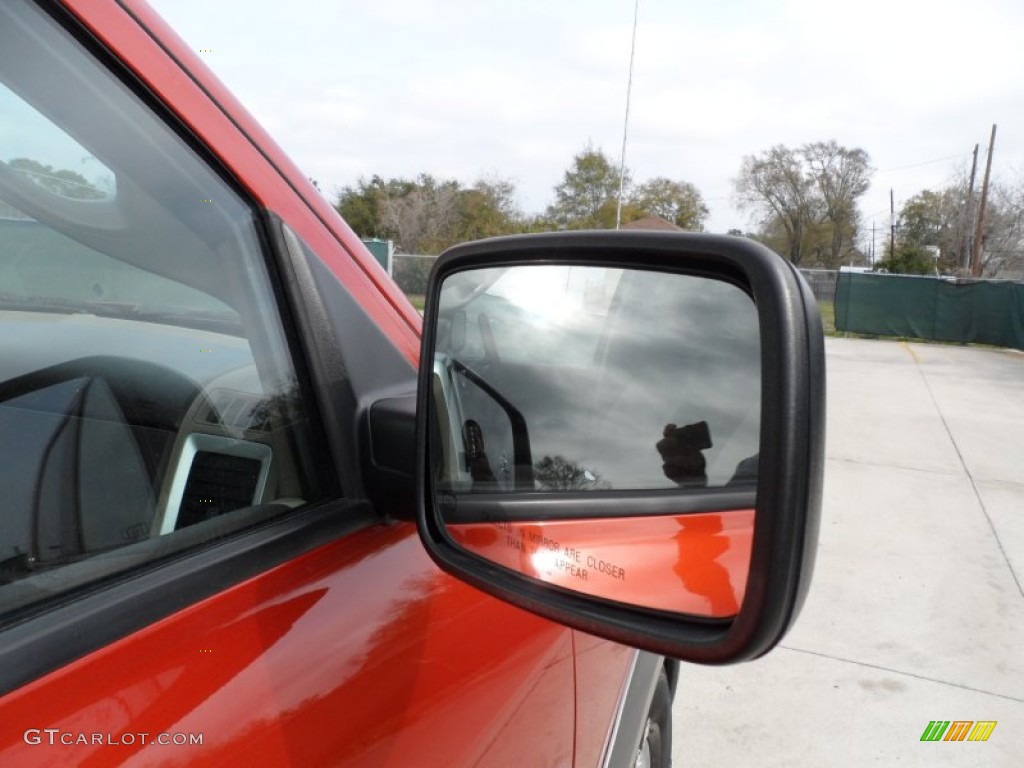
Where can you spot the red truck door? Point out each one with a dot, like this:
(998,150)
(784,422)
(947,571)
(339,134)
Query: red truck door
(192,569)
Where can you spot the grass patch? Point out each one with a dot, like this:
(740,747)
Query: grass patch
(418,300)
(828,321)
(828,316)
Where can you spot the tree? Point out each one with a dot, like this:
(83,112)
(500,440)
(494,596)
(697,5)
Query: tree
(776,188)
(555,473)
(935,219)
(488,209)
(420,215)
(588,187)
(423,218)
(1003,238)
(60,181)
(360,205)
(609,213)
(910,259)
(427,215)
(677,201)
(941,219)
(841,176)
(806,199)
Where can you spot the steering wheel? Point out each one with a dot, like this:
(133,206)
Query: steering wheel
(81,473)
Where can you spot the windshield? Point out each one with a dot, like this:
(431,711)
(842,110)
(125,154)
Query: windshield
(104,211)
(43,270)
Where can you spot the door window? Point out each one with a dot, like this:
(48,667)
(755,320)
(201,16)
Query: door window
(148,401)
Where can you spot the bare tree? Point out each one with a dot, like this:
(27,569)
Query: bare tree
(1003,246)
(776,189)
(424,216)
(841,176)
(942,219)
(805,200)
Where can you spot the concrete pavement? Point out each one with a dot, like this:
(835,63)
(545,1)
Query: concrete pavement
(916,612)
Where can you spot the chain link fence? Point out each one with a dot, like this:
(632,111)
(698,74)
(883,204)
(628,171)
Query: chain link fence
(822,282)
(410,271)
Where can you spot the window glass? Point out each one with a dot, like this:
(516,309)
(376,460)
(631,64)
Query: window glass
(45,155)
(148,401)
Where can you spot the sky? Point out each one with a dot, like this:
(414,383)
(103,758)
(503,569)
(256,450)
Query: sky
(467,89)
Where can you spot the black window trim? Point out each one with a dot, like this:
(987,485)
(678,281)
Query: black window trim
(90,619)
(316,354)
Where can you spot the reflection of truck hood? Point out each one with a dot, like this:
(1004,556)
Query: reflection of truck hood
(35,340)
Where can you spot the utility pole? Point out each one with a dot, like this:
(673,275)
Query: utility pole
(625,127)
(968,241)
(892,225)
(871,256)
(979,232)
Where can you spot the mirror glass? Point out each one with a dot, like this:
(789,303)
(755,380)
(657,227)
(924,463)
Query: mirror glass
(561,386)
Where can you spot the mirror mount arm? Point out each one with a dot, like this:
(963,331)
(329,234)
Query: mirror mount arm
(522,454)
(388,448)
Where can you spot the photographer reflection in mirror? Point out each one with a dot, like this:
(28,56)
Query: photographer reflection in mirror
(700,538)
(682,454)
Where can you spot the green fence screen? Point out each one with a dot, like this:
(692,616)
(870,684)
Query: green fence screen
(985,312)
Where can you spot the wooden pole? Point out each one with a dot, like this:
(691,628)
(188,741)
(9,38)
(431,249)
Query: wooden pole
(966,247)
(979,232)
(892,225)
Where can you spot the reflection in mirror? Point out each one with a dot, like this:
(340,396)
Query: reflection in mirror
(559,378)
(695,563)
(564,395)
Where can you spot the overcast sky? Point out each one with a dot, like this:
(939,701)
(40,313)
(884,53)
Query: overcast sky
(464,88)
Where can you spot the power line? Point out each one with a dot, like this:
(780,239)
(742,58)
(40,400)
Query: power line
(925,162)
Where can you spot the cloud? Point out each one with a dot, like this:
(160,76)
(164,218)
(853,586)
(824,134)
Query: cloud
(459,88)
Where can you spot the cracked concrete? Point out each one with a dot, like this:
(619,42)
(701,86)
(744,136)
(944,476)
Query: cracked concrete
(916,612)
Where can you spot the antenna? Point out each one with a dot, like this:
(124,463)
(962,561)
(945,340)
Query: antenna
(625,127)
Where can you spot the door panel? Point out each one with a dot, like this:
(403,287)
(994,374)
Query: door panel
(601,669)
(357,653)
(360,653)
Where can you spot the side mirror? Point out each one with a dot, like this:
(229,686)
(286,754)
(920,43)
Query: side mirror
(626,434)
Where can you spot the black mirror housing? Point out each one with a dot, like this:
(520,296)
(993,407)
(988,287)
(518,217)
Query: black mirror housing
(788,466)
